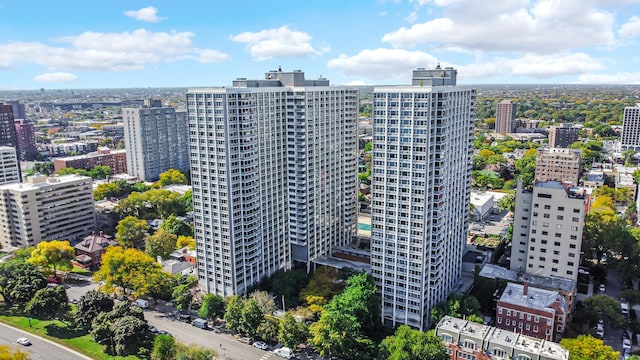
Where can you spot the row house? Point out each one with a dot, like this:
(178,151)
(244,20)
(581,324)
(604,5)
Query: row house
(466,340)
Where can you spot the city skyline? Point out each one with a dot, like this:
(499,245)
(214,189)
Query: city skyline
(166,44)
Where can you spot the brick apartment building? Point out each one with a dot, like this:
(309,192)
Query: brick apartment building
(116,160)
(532,311)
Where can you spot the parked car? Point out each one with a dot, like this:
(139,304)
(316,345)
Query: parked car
(246,340)
(153,329)
(141,303)
(284,352)
(261,345)
(601,289)
(626,344)
(23,341)
(200,323)
(624,308)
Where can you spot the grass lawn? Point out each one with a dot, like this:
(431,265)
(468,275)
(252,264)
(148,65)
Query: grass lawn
(57,331)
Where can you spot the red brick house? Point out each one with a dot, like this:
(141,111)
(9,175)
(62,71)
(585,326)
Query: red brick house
(89,251)
(532,311)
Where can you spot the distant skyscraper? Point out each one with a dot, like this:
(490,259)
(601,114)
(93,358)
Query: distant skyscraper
(631,128)
(7,127)
(506,117)
(9,168)
(421,190)
(558,164)
(563,136)
(274,176)
(26,140)
(156,140)
(19,111)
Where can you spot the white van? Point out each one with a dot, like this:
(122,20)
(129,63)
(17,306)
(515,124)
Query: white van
(624,308)
(141,303)
(284,352)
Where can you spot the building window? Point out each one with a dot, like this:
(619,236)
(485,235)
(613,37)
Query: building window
(446,338)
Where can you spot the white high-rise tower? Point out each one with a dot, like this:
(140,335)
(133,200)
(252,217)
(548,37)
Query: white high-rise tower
(421,181)
(274,176)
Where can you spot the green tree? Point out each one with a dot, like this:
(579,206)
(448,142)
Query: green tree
(368,147)
(164,348)
(268,329)
(586,347)
(20,281)
(177,227)
(129,335)
(288,284)
(182,296)
(292,333)
(340,328)
(106,190)
(48,303)
(55,254)
(44,168)
(89,306)
(508,202)
(252,316)
(161,244)
(410,344)
(172,176)
(233,313)
(600,306)
(70,170)
(212,307)
(123,330)
(131,231)
(100,172)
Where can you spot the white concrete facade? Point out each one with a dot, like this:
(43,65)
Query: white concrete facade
(547,230)
(156,141)
(9,168)
(274,176)
(631,128)
(421,182)
(46,208)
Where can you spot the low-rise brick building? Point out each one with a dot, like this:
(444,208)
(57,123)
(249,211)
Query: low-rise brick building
(116,160)
(532,311)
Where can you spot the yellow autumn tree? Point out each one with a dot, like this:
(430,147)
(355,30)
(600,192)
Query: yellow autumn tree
(586,347)
(12,353)
(55,254)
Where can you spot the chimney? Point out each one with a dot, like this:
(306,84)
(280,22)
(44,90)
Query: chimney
(525,289)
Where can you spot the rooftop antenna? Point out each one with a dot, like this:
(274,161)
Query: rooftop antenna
(279,68)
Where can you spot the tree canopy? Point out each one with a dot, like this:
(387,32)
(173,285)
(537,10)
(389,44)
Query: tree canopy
(55,254)
(48,303)
(410,344)
(172,176)
(133,270)
(586,347)
(131,231)
(161,244)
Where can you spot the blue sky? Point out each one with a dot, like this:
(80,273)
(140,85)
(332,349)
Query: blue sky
(107,44)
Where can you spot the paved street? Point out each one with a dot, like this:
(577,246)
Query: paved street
(40,348)
(225,345)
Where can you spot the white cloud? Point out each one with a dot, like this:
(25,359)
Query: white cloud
(55,77)
(397,64)
(149,14)
(212,56)
(539,26)
(382,64)
(280,42)
(107,51)
(618,78)
(631,28)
